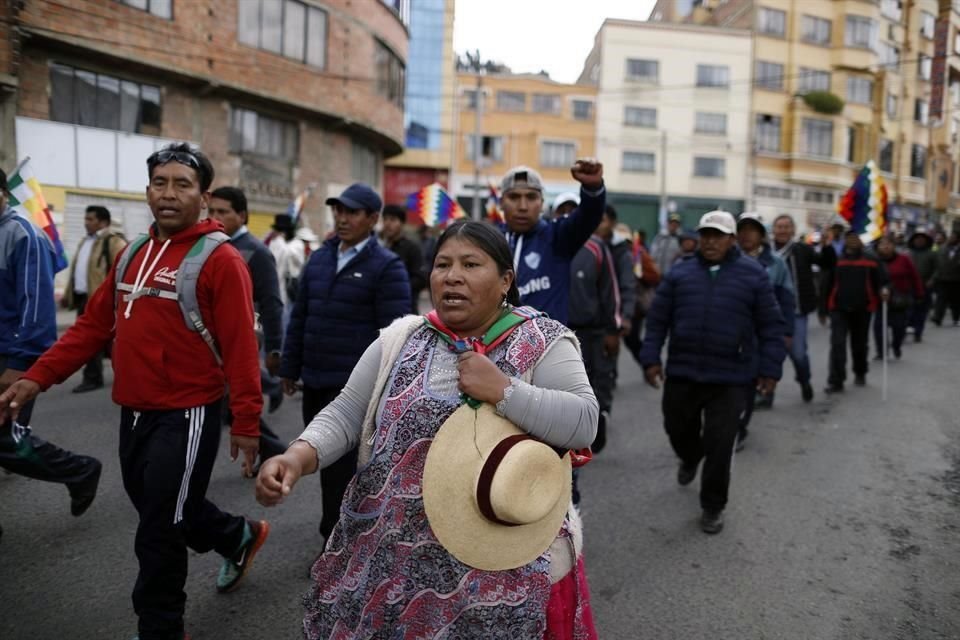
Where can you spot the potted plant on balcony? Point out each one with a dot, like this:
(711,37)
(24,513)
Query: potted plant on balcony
(824,102)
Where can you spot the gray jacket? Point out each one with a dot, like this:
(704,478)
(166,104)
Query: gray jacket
(594,290)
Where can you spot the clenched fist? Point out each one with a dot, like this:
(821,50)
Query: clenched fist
(588,172)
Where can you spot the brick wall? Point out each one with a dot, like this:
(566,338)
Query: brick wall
(201,43)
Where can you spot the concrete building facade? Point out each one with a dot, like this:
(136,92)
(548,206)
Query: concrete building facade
(525,119)
(892,63)
(673,117)
(281,94)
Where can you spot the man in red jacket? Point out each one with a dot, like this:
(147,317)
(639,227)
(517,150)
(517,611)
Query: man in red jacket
(169,383)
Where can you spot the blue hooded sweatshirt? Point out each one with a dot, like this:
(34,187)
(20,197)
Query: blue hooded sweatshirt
(542,256)
(28,315)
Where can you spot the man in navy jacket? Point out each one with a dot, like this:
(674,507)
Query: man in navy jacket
(28,326)
(542,250)
(722,317)
(349,289)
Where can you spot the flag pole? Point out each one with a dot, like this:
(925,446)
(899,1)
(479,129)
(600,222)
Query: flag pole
(20,166)
(885,334)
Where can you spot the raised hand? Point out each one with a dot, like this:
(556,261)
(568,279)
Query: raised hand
(588,172)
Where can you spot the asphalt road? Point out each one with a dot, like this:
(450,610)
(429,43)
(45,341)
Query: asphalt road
(844,524)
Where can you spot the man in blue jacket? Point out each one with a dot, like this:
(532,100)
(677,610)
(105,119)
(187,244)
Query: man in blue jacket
(752,238)
(542,250)
(350,288)
(28,326)
(720,313)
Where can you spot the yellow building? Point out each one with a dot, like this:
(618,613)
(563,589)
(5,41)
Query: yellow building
(881,60)
(525,119)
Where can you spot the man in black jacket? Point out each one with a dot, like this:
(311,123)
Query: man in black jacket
(948,281)
(852,291)
(800,259)
(228,205)
(393,238)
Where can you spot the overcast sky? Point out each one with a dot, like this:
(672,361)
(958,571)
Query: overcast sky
(530,35)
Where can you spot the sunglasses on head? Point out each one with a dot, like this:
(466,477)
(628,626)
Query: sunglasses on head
(183,157)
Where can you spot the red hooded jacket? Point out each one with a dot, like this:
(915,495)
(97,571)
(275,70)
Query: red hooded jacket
(159,364)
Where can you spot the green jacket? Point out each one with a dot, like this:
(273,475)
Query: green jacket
(926,262)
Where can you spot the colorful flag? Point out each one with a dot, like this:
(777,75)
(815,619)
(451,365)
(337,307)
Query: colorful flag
(296,207)
(26,197)
(494,212)
(433,206)
(638,250)
(864,205)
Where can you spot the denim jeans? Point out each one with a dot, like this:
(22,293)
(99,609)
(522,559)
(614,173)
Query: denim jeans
(798,350)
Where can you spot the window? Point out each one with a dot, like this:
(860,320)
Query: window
(918,161)
(159,8)
(813,80)
(859,90)
(470,98)
(252,132)
(817,137)
(639,162)
(851,144)
(861,32)
(390,72)
(290,28)
(779,193)
(582,110)
(710,123)
(709,167)
(889,55)
(491,148)
(400,7)
(640,117)
(891,106)
(769,75)
(643,70)
(885,155)
(927,25)
(892,9)
(772,22)
(364,164)
(921,111)
(925,66)
(818,197)
(768,132)
(709,75)
(557,154)
(511,101)
(815,30)
(545,103)
(98,100)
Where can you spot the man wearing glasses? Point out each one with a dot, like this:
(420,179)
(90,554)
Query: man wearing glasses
(169,381)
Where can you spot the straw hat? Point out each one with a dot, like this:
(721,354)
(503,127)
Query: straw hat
(482,463)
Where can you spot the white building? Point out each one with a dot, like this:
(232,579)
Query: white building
(673,117)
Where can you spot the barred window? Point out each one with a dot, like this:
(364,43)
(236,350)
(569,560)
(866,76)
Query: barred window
(769,75)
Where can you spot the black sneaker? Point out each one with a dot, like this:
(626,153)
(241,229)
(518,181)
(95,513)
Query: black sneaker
(686,473)
(84,387)
(711,521)
(833,388)
(82,494)
(806,391)
(860,381)
(897,353)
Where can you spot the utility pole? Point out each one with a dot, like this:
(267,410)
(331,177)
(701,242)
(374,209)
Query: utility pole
(477,137)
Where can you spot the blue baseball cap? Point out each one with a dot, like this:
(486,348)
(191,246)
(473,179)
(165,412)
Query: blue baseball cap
(358,196)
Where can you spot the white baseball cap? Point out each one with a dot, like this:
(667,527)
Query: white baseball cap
(566,196)
(719,220)
(755,218)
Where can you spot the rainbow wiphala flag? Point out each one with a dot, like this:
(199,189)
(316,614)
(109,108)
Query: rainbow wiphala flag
(26,197)
(434,206)
(864,205)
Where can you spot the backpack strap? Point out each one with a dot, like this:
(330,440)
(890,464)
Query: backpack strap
(187,276)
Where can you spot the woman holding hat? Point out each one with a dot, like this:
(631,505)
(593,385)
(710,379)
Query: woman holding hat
(458,523)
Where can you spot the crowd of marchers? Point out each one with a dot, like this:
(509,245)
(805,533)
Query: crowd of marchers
(450,434)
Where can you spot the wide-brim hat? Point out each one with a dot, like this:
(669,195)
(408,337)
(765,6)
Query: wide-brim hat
(482,468)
